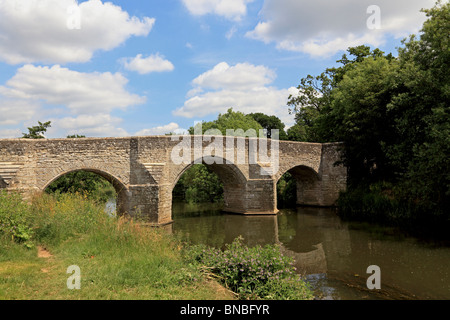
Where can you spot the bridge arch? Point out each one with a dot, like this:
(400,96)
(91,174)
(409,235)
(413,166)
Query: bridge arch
(308,184)
(233,179)
(120,187)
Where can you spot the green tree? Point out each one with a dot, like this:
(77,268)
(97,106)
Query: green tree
(232,120)
(198,184)
(313,102)
(359,116)
(270,123)
(421,113)
(75,136)
(37,132)
(296,133)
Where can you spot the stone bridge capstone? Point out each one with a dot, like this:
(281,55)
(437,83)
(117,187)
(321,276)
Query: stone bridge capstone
(144,173)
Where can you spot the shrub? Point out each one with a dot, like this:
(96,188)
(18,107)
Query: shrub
(15,222)
(252,272)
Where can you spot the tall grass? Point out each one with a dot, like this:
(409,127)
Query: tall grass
(123,259)
(118,258)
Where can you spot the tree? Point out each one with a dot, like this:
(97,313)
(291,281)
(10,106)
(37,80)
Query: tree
(37,132)
(394,118)
(198,184)
(232,120)
(270,123)
(359,115)
(422,113)
(75,136)
(311,105)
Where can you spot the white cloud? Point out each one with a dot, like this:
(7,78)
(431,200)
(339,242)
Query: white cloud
(75,102)
(41,31)
(10,133)
(152,63)
(323,27)
(241,76)
(162,130)
(94,125)
(243,87)
(230,9)
(82,93)
(13,112)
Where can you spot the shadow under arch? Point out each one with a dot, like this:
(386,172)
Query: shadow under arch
(308,185)
(119,186)
(233,180)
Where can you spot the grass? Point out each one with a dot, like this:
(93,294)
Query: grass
(118,259)
(121,259)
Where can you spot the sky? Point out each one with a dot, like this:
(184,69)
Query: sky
(134,68)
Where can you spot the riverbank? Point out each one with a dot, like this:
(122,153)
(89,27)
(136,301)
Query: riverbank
(378,207)
(46,245)
(117,259)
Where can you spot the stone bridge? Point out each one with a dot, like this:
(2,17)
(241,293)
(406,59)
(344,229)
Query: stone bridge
(144,170)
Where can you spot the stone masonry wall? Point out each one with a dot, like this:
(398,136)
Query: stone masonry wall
(144,174)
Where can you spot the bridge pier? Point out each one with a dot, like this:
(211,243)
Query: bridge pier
(255,197)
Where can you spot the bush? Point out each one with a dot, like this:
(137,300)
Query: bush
(15,219)
(253,272)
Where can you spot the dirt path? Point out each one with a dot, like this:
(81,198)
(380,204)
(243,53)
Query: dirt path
(44,253)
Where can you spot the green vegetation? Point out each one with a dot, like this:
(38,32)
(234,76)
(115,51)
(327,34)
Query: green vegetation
(393,115)
(118,258)
(254,273)
(198,184)
(232,120)
(86,182)
(37,132)
(270,123)
(286,191)
(122,259)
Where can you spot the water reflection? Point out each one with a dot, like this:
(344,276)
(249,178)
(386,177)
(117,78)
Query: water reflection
(332,254)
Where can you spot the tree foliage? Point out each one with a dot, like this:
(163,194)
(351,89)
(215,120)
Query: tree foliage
(231,120)
(37,132)
(270,123)
(198,184)
(391,112)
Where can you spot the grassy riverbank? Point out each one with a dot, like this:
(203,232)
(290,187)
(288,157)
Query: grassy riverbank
(118,258)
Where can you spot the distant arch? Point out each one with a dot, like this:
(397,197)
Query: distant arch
(308,184)
(121,188)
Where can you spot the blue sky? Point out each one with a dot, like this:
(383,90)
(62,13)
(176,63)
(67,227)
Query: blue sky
(124,68)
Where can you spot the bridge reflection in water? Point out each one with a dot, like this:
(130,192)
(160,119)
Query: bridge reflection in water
(332,254)
(300,237)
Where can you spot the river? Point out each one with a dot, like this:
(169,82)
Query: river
(332,255)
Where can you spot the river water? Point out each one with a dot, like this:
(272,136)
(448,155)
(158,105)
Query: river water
(332,255)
